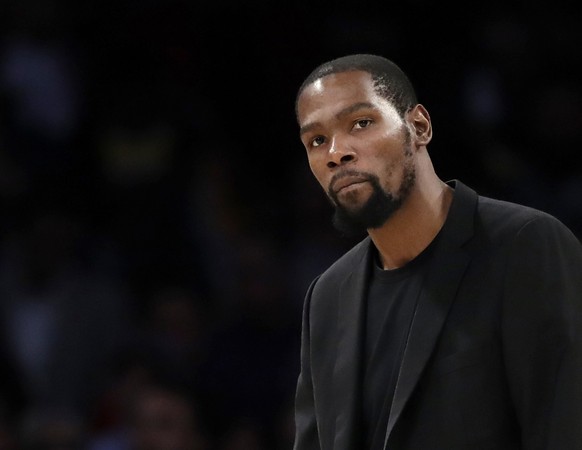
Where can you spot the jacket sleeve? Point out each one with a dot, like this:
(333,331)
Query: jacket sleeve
(542,334)
(306,434)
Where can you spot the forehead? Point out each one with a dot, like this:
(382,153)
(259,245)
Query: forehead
(335,92)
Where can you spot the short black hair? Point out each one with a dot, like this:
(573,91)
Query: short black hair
(389,79)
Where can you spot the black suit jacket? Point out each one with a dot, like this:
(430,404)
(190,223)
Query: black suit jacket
(494,356)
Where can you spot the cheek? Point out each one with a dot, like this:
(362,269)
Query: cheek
(398,171)
(389,169)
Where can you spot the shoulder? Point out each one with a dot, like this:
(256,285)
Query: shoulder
(508,220)
(492,223)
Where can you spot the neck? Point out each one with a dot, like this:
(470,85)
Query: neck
(414,226)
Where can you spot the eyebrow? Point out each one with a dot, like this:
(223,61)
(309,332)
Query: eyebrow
(339,115)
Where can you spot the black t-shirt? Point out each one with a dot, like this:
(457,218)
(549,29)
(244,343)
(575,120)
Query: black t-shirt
(391,302)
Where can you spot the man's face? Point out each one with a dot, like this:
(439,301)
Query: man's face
(358,148)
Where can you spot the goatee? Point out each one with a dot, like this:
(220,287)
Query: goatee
(376,210)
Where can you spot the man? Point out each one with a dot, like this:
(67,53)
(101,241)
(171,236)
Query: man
(457,322)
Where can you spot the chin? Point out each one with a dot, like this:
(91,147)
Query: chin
(355,201)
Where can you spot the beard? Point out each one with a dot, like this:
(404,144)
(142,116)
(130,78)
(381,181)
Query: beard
(378,208)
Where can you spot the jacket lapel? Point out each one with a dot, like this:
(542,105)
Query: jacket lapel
(445,273)
(347,379)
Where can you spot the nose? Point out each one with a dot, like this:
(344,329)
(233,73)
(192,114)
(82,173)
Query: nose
(339,154)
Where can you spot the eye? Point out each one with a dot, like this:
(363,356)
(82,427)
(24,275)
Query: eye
(317,141)
(362,123)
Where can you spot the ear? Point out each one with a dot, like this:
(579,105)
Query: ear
(421,127)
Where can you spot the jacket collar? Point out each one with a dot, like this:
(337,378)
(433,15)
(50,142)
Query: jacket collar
(436,297)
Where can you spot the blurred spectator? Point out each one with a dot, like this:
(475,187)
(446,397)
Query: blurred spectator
(138,198)
(243,435)
(163,419)
(39,76)
(110,416)
(176,335)
(41,86)
(8,436)
(63,315)
(167,347)
(52,429)
(217,221)
(250,368)
(160,418)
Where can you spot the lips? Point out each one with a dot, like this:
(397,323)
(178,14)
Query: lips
(346,181)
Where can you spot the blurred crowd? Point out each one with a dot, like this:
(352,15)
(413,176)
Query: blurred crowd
(159,222)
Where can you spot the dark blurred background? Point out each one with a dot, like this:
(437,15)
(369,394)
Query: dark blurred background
(159,221)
